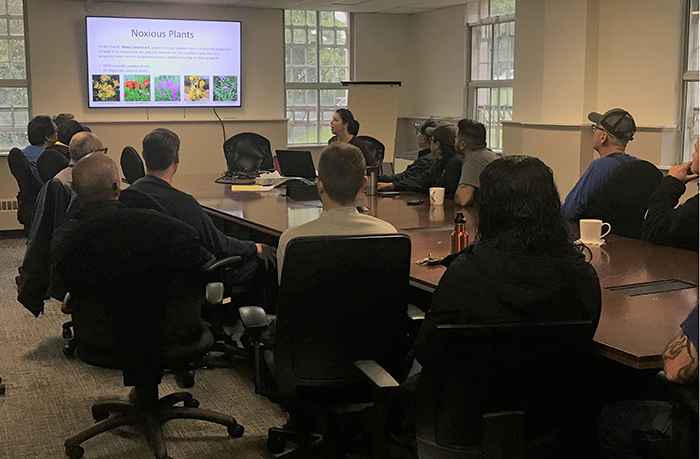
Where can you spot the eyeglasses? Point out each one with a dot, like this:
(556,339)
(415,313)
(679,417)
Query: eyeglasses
(101,150)
(432,139)
(595,127)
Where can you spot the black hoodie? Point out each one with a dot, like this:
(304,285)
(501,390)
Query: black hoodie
(488,285)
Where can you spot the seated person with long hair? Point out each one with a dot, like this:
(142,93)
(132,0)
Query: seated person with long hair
(345,128)
(524,266)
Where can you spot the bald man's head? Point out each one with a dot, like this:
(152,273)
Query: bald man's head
(96,177)
(83,143)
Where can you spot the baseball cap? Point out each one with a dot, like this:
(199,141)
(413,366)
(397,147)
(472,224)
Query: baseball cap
(432,122)
(617,122)
(443,133)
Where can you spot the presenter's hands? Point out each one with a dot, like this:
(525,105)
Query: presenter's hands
(682,172)
(384,186)
(267,254)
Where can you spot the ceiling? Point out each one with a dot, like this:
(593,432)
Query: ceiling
(353,6)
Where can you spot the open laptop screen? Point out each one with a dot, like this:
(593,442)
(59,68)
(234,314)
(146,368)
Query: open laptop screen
(296,163)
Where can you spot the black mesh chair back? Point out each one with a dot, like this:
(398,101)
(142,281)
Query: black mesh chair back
(331,311)
(28,186)
(132,165)
(248,153)
(376,148)
(478,379)
(50,163)
(623,198)
(135,282)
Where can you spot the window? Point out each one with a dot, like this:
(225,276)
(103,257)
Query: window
(690,84)
(492,31)
(14,96)
(316,60)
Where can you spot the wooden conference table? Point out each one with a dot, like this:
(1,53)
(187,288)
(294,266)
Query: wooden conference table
(633,330)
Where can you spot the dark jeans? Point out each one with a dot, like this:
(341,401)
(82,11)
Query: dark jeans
(252,285)
(636,429)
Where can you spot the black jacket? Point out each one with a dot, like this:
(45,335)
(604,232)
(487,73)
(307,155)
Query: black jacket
(666,224)
(487,285)
(444,172)
(413,171)
(185,207)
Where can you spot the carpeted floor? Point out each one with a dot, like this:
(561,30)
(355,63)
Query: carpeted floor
(49,395)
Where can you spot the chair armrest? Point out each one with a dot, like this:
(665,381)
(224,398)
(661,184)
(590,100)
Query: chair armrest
(66,306)
(376,374)
(684,394)
(253,316)
(415,313)
(221,263)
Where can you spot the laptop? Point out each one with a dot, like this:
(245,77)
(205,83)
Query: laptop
(296,163)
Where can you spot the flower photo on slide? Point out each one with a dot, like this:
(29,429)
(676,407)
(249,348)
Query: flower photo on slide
(167,88)
(196,88)
(105,88)
(225,88)
(137,88)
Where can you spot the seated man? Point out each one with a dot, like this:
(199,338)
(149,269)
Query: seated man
(444,172)
(611,133)
(341,177)
(161,153)
(97,184)
(81,144)
(644,428)
(42,133)
(421,164)
(666,224)
(471,143)
(66,130)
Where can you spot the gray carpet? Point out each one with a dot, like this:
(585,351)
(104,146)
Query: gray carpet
(49,395)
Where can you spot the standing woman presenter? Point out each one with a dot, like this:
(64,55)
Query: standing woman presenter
(345,128)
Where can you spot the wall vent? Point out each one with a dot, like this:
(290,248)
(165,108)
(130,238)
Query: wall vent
(8,205)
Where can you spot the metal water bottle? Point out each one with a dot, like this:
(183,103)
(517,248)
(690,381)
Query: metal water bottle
(373,174)
(459,238)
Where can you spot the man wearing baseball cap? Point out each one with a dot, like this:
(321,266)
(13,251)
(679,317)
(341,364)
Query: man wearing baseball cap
(444,172)
(611,132)
(421,164)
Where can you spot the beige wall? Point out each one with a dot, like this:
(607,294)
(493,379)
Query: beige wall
(579,56)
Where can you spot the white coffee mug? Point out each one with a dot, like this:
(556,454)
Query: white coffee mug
(437,196)
(591,229)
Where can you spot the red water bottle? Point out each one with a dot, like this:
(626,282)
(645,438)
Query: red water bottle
(459,238)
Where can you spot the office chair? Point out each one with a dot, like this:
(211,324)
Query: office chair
(497,390)
(134,281)
(50,163)
(624,196)
(248,153)
(28,187)
(377,148)
(132,165)
(334,330)
(684,398)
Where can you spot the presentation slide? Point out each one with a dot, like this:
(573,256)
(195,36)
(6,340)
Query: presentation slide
(163,63)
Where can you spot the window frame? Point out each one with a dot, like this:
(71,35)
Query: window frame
(318,86)
(474,85)
(687,76)
(18,83)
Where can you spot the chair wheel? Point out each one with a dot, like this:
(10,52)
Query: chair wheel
(68,350)
(194,403)
(185,379)
(276,445)
(236,431)
(67,333)
(2,389)
(75,453)
(99,414)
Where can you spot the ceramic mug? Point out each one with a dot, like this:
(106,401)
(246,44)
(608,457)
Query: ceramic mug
(591,229)
(437,196)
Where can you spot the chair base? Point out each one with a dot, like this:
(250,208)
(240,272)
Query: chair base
(147,411)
